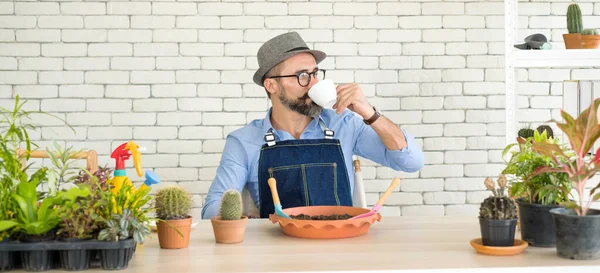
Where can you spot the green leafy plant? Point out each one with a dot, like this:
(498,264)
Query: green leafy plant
(63,171)
(81,218)
(582,133)
(231,205)
(545,188)
(574,21)
(126,215)
(499,206)
(173,203)
(99,178)
(37,218)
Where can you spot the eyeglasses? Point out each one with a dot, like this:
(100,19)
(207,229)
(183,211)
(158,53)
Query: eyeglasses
(304,77)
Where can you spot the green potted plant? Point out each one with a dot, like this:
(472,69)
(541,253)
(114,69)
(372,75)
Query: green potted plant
(590,38)
(524,134)
(230,225)
(537,194)
(497,215)
(173,206)
(574,26)
(576,223)
(126,223)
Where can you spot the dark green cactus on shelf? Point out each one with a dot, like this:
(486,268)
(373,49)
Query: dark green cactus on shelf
(574,21)
(589,31)
(499,206)
(231,205)
(525,132)
(172,203)
(548,129)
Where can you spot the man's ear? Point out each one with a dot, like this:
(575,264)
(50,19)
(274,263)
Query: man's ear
(271,85)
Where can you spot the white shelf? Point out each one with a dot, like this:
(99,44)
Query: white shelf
(556,58)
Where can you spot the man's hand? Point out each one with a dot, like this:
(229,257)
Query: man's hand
(352,97)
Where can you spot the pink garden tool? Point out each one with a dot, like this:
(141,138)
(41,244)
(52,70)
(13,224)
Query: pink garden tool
(379,203)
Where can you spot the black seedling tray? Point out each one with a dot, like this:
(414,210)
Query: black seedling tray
(67,255)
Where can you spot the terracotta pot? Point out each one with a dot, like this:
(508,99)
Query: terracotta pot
(572,41)
(168,236)
(590,41)
(229,231)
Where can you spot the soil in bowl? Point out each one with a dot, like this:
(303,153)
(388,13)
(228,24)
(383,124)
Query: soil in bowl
(303,216)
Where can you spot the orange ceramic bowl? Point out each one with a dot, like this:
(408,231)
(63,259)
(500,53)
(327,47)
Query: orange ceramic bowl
(325,229)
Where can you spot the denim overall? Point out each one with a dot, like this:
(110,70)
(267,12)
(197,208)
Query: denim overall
(308,172)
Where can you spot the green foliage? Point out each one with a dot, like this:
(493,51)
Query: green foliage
(127,215)
(124,226)
(582,132)
(34,218)
(63,171)
(589,31)
(172,203)
(231,205)
(540,129)
(525,132)
(81,218)
(499,206)
(574,20)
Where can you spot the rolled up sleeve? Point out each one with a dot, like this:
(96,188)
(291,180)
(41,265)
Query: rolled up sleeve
(369,145)
(232,173)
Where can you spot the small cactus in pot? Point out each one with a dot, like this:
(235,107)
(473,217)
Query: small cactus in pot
(497,215)
(173,206)
(590,38)
(230,225)
(524,134)
(574,27)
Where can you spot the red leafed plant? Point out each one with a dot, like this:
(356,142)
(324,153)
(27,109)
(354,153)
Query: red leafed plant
(582,133)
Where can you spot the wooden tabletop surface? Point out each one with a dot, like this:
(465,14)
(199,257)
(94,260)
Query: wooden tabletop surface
(396,244)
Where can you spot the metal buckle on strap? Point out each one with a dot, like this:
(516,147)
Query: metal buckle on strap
(270,138)
(329,134)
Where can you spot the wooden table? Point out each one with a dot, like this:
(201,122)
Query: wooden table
(396,244)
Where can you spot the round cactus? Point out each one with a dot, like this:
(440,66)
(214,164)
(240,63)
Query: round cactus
(231,205)
(574,21)
(548,129)
(589,31)
(172,203)
(525,132)
(498,206)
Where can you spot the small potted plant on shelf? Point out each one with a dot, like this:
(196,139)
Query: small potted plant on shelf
(535,194)
(590,38)
(524,134)
(230,225)
(497,215)
(173,206)
(574,26)
(576,223)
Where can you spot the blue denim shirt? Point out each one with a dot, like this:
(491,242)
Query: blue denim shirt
(239,161)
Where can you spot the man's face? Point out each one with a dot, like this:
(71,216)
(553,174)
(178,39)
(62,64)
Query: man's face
(290,93)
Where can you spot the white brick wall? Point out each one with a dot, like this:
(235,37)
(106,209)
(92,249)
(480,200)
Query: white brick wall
(176,76)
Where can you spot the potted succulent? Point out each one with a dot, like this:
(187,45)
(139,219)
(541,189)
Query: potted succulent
(536,194)
(524,134)
(590,38)
(574,26)
(230,225)
(576,223)
(497,215)
(172,206)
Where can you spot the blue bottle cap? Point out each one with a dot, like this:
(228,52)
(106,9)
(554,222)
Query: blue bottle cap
(151,178)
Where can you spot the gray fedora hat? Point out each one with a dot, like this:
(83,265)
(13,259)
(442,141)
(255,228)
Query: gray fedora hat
(278,49)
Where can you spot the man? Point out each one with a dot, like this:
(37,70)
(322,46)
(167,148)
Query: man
(307,149)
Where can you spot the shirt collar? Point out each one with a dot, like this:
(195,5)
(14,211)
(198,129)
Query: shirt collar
(267,122)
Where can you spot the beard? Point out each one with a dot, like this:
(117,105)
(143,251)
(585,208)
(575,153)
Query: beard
(299,105)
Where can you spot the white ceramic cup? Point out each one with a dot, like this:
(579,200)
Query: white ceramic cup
(323,93)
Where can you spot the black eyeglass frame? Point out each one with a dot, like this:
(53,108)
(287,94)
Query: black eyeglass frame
(311,75)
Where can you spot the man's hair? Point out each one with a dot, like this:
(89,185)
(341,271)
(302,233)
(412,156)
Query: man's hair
(273,72)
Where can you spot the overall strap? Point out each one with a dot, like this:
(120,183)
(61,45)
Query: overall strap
(328,133)
(270,137)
